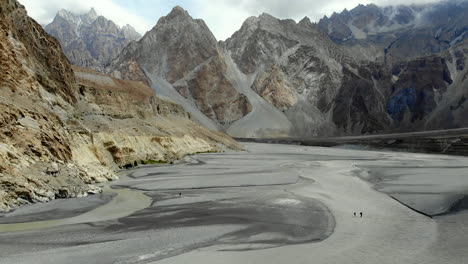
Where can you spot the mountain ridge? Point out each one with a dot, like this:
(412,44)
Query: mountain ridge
(90,40)
(278,77)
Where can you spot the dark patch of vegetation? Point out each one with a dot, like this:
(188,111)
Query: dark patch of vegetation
(61,194)
(206,152)
(152,162)
(128,166)
(82,90)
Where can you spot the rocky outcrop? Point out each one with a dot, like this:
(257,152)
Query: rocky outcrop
(276,89)
(90,40)
(213,93)
(62,130)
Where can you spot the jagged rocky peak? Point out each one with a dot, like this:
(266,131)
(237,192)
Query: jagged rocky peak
(306,22)
(176,45)
(65,14)
(180,17)
(267,17)
(270,22)
(250,21)
(130,32)
(102,26)
(90,40)
(91,15)
(86,18)
(178,13)
(264,21)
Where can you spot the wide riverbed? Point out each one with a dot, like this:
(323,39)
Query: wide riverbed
(269,204)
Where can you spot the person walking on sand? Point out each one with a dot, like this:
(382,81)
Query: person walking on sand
(361,214)
(354,214)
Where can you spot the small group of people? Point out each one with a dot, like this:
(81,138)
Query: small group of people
(355,214)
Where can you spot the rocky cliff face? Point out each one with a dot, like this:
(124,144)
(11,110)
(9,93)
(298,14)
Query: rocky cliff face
(63,130)
(452,109)
(421,49)
(368,70)
(90,40)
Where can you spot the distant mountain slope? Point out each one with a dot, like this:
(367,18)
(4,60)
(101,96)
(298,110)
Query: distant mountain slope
(301,71)
(90,40)
(396,33)
(295,78)
(342,76)
(182,59)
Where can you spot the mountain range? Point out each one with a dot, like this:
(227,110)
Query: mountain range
(364,71)
(90,40)
(395,33)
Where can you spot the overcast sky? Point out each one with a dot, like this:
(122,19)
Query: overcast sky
(223,17)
